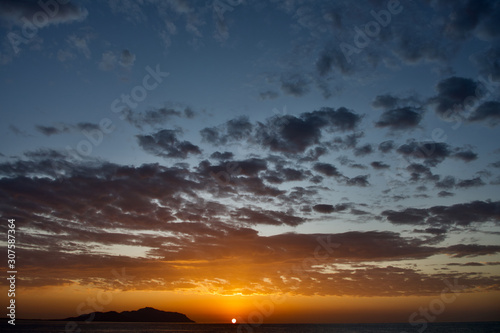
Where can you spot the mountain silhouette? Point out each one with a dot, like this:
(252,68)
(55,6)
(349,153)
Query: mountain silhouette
(147,314)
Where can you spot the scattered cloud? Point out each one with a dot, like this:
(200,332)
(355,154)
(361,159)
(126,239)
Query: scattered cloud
(327,169)
(464,214)
(400,119)
(452,94)
(488,112)
(155,117)
(52,130)
(165,143)
(378,165)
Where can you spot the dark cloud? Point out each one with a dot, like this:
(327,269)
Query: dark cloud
(386,146)
(344,160)
(87,126)
(301,196)
(238,128)
(488,112)
(466,17)
(419,172)
(251,167)
(496,164)
(341,119)
(465,155)
(52,130)
(211,135)
(316,179)
(363,150)
(236,176)
(324,64)
(450,182)
(446,183)
(290,134)
(62,128)
(164,143)
(358,166)
(467,264)
(189,113)
(327,169)
(153,118)
(400,118)
(386,101)
(313,154)
(205,239)
(323,208)
(434,231)
(290,174)
(432,153)
(361,181)
(407,216)
(261,216)
(233,130)
(444,194)
(458,214)
(44,153)
(332,59)
(350,141)
(400,113)
(378,165)
(14,11)
(222,156)
(474,182)
(454,96)
(471,250)
(285,133)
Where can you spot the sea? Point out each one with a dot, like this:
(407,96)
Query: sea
(25,326)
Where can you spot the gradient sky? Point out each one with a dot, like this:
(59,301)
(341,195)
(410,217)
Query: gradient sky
(337,161)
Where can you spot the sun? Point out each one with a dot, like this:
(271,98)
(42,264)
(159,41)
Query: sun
(233,320)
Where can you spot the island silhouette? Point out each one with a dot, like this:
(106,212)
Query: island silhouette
(146,314)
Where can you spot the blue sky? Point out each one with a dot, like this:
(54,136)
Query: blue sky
(268,119)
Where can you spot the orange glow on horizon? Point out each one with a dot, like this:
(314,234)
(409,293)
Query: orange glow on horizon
(67,301)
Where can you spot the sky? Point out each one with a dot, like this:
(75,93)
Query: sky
(271,161)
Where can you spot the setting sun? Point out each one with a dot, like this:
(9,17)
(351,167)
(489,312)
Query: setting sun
(233,320)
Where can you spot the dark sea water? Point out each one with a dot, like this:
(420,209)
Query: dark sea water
(63,327)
